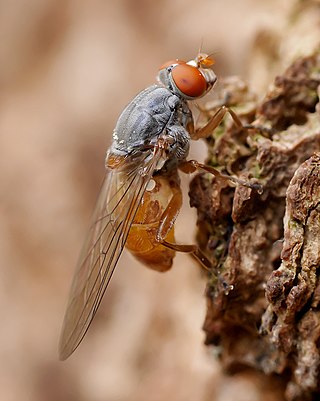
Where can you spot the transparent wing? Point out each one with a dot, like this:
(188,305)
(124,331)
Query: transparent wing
(119,199)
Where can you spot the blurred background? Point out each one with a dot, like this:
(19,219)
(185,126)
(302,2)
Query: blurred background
(67,69)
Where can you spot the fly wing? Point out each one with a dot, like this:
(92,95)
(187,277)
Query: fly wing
(117,204)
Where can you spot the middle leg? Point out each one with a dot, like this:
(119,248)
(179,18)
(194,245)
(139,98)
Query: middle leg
(190,166)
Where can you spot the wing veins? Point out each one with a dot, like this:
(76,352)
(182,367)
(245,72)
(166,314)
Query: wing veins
(106,226)
(113,244)
(124,222)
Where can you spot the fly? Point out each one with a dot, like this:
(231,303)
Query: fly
(141,197)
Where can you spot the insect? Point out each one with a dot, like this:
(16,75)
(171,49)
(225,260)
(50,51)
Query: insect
(141,196)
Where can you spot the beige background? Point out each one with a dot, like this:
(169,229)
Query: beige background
(67,68)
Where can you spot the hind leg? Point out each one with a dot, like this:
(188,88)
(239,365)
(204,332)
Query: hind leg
(167,222)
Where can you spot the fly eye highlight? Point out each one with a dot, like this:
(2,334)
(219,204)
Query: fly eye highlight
(189,80)
(171,63)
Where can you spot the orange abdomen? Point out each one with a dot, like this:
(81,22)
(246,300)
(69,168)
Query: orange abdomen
(141,241)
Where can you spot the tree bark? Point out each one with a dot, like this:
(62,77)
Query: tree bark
(263,291)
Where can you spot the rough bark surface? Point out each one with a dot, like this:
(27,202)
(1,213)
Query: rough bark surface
(263,291)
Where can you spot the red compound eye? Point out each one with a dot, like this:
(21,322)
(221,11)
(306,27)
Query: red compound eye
(189,80)
(171,62)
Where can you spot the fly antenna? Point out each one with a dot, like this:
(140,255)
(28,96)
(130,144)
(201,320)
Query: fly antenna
(200,47)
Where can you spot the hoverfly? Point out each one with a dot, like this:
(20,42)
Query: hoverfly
(141,196)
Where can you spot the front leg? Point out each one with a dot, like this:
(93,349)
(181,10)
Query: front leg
(214,122)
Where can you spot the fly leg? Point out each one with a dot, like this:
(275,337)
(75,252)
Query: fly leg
(190,166)
(215,121)
(167,221)
(217,118)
